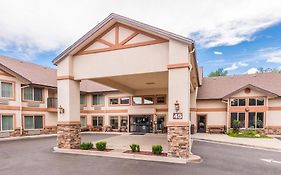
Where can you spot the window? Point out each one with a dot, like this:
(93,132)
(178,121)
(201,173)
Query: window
(83,121)
(98,99)
(148,100)
(97,121)
(160,99)
(114,101)
(124,121)
(256,102)
(34,94)
(124,100)
(160,123)
(6,122)
(137,100)
(242,102)
(238,102)
(234,102)
(82,99)
(6,90)
(240,116)
(114,122)
(33,122)
(256,120)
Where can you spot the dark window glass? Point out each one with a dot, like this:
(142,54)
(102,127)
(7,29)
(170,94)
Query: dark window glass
(37,94)
(114,122)
(125,100)
(124,121)
(38,122)
(242,119)
(234,102)
(260,119)
(148,100)
(114,101)
(95,121)
(233,117)
(260,101)
(100,121)
(160,99)
(252,102)
(242,102)
(251,120)
(82,99)
(98,99)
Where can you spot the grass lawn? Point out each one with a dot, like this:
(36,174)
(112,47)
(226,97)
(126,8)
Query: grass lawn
(247,134)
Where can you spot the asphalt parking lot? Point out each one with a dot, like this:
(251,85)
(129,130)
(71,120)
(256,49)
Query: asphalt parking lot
(35,156)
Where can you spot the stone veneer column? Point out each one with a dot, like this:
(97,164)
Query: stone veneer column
(69,136)
(178,139)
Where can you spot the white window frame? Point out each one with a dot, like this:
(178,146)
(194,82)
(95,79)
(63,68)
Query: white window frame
(101,100)
(97,116)
(238,118)
(1,125)
(42,90)
(256,117)
(33,116)
(13,88)
(238,103)
(83,116)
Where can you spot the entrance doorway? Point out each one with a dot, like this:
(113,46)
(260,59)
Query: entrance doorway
(201,123)
(141,123)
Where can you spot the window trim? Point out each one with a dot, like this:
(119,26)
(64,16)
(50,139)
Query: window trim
(119,101)
(264,119)
(34,115)
(142,100)
(13,98)
(14,122)
(103,122)
(86,122)
(238,103)
(42,93)
(98,105)
(161,95)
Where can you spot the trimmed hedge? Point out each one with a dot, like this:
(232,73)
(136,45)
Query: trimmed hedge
(86,146)
(157,149)
(135,147)
(101,146)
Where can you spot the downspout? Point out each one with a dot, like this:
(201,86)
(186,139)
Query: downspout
(21,127)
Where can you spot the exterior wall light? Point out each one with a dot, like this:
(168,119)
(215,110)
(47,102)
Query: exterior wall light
(61,109)
(177,106)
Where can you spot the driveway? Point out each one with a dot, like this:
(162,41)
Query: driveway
(35,156)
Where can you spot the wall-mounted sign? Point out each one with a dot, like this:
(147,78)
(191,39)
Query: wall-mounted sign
(177,116)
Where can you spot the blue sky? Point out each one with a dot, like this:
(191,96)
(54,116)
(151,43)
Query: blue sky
(38,30)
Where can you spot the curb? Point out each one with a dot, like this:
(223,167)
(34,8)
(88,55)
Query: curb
(238,144)
(27,137)
(191,159)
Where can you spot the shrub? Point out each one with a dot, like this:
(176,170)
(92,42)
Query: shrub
(236,126)
(157,149)
(101,146)
(86,146)
(135,147)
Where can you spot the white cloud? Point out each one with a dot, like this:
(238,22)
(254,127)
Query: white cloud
(34,26)
(252,71)
(272,55)
(218,53)
(235,66)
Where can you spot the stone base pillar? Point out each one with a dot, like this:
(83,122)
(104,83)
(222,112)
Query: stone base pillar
(69,136)
(178,139)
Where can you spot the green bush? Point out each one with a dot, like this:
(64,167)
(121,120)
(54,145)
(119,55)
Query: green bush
(86,146)
(101,146)
(157,149)
(135,147)
(236,126)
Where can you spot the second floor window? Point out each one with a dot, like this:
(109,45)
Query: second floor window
(6,90)
(33,94)
(98,99)
(238,102)
(82,99)
(256,102)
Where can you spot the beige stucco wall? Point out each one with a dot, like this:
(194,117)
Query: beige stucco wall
(274,116)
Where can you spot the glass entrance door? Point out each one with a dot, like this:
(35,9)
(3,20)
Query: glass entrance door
(141,123)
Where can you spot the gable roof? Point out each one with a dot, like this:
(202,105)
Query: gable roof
(126,20)
(219,87)
(30,73)
(266,92)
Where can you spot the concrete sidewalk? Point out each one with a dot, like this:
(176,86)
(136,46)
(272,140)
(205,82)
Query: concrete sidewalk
(263,143)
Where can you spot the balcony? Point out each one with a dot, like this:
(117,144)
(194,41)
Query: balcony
(52,103)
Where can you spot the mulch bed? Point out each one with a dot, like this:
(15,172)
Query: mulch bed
(95,149)
(145,153)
